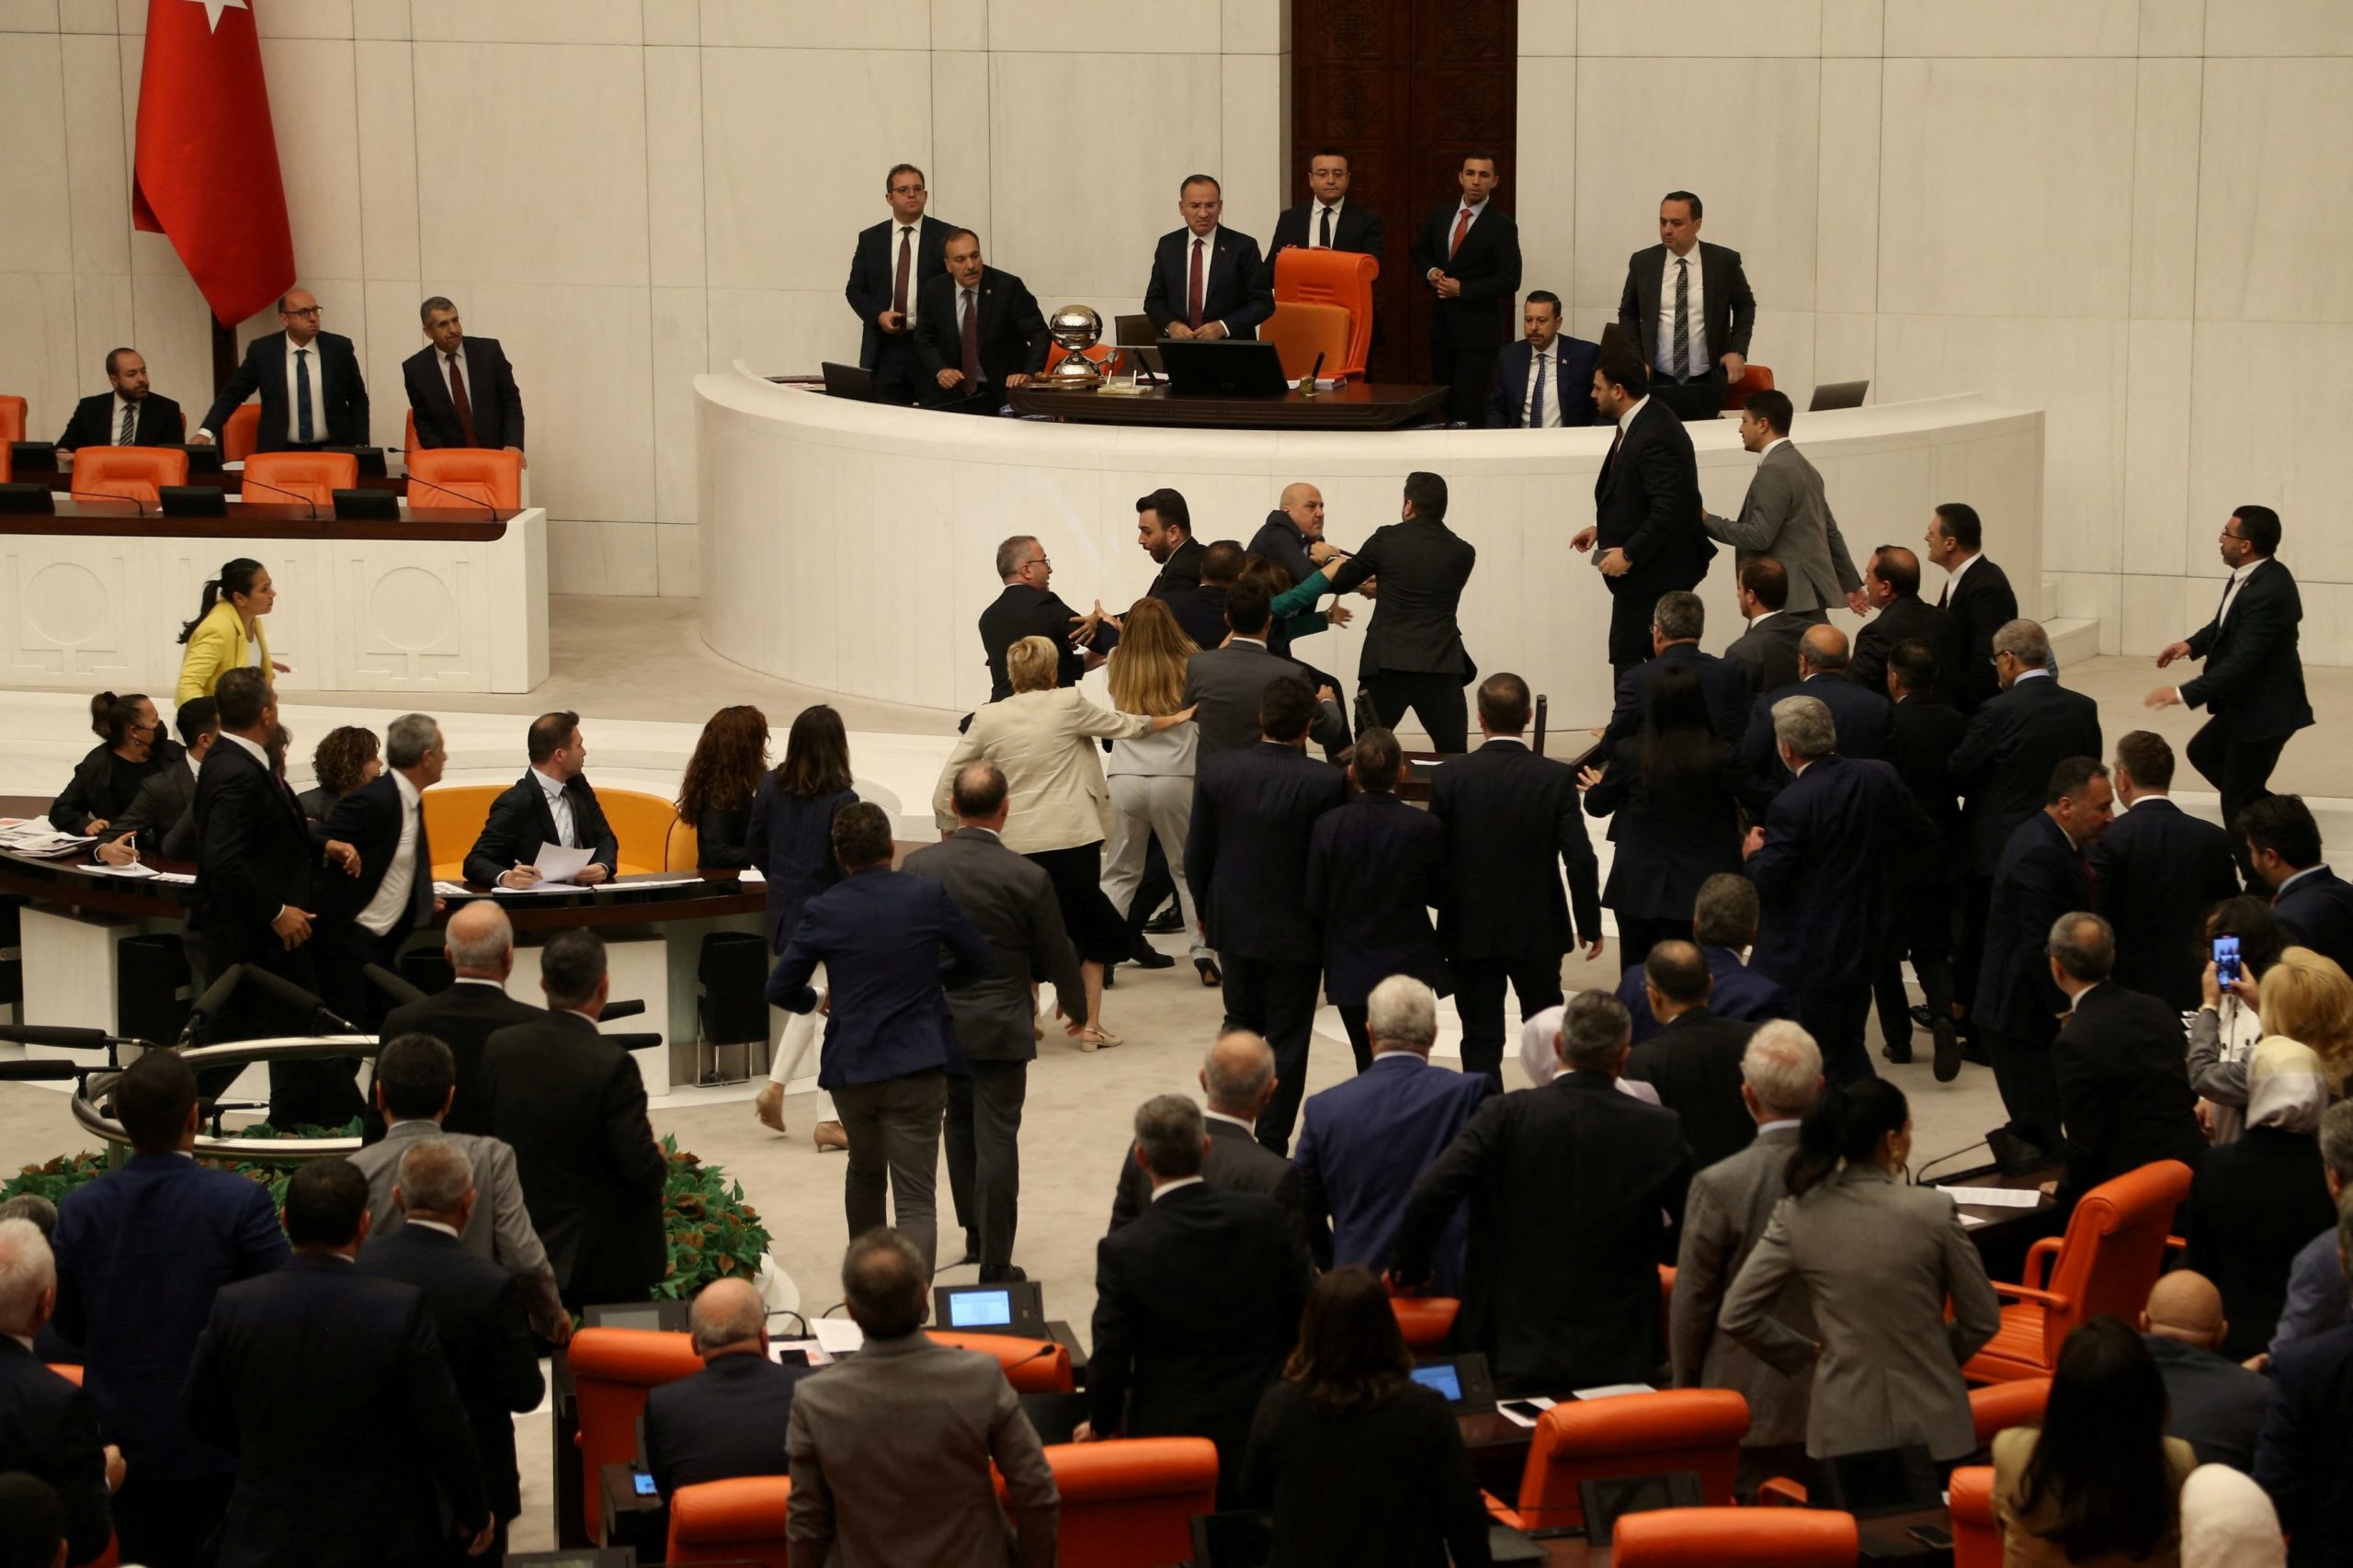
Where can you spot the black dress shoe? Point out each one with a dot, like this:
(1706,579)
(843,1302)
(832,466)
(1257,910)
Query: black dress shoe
(1110,975)
(1146,956)
(1002,1274)
(1920,1017)
(1948,1061)
(1900,1055)
(1168,923)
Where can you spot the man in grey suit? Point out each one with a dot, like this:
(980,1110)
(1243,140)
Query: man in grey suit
(1225,685)
(1786,516)
(417,1082)
(890,1450)
(1768,649)
(1730,1205)
(1010,900)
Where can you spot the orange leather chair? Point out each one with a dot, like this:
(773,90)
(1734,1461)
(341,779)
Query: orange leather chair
(70,1370)
(1303,333)
(131,473)
(12,419)
(1976,1538)
(1997,1407)
(1755,379)
(740,1520)
(241,433)
(1425,1321)
(1734,1537)
(7,464)
(1339,278)
(1131,1500)
(1109,360)
(483,476)
(682,850)
(313,476)
(611,1369)
(2105,1263)
(1031,1366)
(454,815)
(1635,1434)
(408,436)
(641,823)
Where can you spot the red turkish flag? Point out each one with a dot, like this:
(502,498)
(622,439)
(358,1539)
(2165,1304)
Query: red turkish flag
(206,172)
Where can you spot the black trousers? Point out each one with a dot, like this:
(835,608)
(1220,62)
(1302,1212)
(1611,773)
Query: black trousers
(1834,1015)
(1435,700)
(1924,917)
(1638,934)
(1352,1018)
(1479,1003)
(343,957)
(1630,625)
(1969,942)
(169,1524)
(898,374)
(2239,769)
(1275,998)
(1464,370)
(984,1157)
(2030,1085)
(321,1093)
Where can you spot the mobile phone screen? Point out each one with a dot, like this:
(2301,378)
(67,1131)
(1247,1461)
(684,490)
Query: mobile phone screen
(644,1484)
(1520,1407)
(2226,961)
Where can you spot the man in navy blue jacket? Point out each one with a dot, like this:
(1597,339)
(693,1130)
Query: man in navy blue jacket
(1723,923)
(140,1252)
(890,1046)
(1858,716)
(2314,903)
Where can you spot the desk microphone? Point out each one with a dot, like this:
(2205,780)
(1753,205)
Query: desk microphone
(297,494)
(489,514)
(294,996)
(137,504)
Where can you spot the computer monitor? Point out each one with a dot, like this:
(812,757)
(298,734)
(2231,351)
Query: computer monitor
(848,381)
(1013,1306)
(1837,394)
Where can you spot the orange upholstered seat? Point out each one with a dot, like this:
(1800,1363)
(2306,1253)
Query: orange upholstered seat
(480,476)
(1976,1538)
(1339,278)
(1755,379)
(1131,1500)
(1635,1434)
(611,1370)
(1425,1321)
(131,473)
(312,476)
(1734,1537)
(741,1520)
(2104,1264)
(12,419)
(1031,1366)
(241,433)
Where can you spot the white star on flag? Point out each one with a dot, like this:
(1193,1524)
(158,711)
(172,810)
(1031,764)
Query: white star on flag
(212,9)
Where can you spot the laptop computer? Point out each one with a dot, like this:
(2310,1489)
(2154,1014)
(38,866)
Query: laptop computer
(849,381)
(1224,368)
(1014,1306)
(1462,1379)
(1837,394)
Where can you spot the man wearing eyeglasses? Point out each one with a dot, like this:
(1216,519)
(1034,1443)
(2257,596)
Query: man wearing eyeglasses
(312,394)
(887,272)
(1029,608)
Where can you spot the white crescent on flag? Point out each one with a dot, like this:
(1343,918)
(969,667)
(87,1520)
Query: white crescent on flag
(212,9)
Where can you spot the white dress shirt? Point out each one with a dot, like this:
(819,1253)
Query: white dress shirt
(1229,1121)
(1315,211)
(1459,208)
(560,808)
(305,361)
(1952,578)
(1548,360)
(1696,313)
(2231,592)
(1165,1187)
(392,895)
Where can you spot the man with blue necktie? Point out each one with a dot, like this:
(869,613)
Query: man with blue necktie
(1529,374)
(312,394)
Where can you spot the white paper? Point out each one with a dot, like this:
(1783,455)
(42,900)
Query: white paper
(636,883)
(133,869)
(839,1336)
(557,864)
(1541,1402)
(183,877)
(1995,1197)
(753,874)
(1971,1221)
(1613,1390)
(454,890)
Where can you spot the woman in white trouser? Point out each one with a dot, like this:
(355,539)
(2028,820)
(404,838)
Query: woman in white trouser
(1152,778)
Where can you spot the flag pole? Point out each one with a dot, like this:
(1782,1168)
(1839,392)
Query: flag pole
(225,354)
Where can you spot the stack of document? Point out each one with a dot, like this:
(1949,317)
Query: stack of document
(36,838)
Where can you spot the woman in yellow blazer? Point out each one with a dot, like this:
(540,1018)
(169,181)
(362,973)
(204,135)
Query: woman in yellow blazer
(227,630)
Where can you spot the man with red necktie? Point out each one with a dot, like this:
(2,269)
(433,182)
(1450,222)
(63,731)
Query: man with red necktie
(1468,255)
(1208,281)
(461,388)
(894,260)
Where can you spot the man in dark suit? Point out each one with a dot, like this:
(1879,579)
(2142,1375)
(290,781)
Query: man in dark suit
(1164,532)
(1413,655)
(552,803)
(141,1253)
(2159,871)
(1900,614)
(1366,1140)
(2303,1458)
(461,388)
(1723,925)
(2253,687)
(127,415)
(49,1425)
(1197,1302)
(1677,622)
(1208,281)
(162,817)
(887,271)
(1237,1079)
(1921,735)
(1511,817)
(1009,899)
(1576,1194)
(1977,595)
(2212,1402)
(1646,506)
(1860,715)
(367,917)
(1375,869)
(1468,255)
(477,1312)
(1027,608)
(257,868)
(1245,859)
(1786,515)
(1767,647)
(2042,875)
(730,1418)
(1824,862)
(890,1043)
(2124,1095)
(1692,313)
(479,942)
(381,1467)
(571,1104)
(1292,535)
(1694,1061)
(312,394)
(1545,380)
(2312,902)
(980,332)
(1227,686)
(1328,221)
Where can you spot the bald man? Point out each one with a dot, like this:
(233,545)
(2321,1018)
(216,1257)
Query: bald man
(2216,1405)
(1292,535)
(728,1419)
(1238,1079)
(1860,716)
(479,942)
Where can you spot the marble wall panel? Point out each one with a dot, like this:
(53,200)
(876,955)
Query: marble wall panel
(1726,27)
(1544,184)
(817,24)
(526,21)
(2290,29)
(28,16)
(2016,29)
(674,167)
(39,235)
(1090,27)
(97,157)
(1846,271)
(2289,453)
(2275,234)
(390,215)
(311,94)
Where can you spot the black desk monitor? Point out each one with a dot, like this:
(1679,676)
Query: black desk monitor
(1014,1307)
(1462,1380)
(849,381)
(26,500)
(193,500)
(1838,395)
(1223,368)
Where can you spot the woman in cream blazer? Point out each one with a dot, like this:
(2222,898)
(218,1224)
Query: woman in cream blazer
(1047,740)
(227,633)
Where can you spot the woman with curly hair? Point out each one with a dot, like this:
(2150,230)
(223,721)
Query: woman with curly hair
(722,779)
(347,758)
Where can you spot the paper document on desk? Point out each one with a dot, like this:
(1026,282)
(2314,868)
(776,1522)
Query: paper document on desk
(1997,1196)
(135,870)
(557,864)
(839,1336)
(453,890)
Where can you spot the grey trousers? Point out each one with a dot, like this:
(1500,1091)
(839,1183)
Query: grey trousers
(894,1128)
(1150,805)
(984,1157)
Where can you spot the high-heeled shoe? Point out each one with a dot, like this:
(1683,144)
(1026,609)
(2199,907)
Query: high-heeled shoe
(1211,975)
(830,1137)
(768,1105)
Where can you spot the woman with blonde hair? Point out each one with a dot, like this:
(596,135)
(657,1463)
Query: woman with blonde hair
(1152,777)
(1046,740)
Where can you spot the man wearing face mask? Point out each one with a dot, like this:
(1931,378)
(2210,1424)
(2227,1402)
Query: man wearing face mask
(978,332)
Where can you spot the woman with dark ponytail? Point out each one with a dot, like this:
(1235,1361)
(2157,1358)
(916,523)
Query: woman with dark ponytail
(1878,1258)
(226,633)
(131,750)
